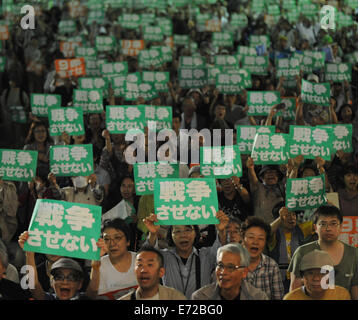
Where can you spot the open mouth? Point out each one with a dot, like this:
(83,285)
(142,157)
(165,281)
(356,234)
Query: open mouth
(65,291)
(144,279)
(254,250)
(184,243)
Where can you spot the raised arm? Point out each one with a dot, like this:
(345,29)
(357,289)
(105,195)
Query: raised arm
(252,174)
(153,229)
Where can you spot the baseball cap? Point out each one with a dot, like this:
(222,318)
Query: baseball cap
(316,259)
(313,77)
(67,264)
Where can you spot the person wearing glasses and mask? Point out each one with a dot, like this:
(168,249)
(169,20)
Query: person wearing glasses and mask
(328,225)
(231,265)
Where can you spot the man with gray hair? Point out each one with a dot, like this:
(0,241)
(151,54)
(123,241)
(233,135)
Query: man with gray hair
(232,261)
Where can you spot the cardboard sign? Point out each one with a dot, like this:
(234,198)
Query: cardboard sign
(66,68)
(185,201)
(90,100)
(146,173)
(131,47)
(257,65)
(18,165)
(246,136)
(71,160)
(338,72)
(261,102)
(40,103)
(192,78)
(68,48)
(316,93)
(66,229)
(349,232)
(341,137)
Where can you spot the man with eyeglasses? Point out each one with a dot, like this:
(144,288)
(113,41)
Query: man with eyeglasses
(231,265)
(328,225)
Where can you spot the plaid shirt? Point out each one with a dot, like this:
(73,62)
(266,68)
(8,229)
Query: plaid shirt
(267,277)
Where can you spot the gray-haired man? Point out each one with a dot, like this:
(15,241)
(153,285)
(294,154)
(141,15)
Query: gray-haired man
(232,261)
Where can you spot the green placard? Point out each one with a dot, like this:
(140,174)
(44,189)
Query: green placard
(270,148)
(85,52)
(287,68)
(153,33)
(256,65)
(150,57)
(91,67)
(105,43)
(147,18)
(2,62)
(166,25)
(67,26)
(289,113)
(118,84)
(341,136)
(134,88)
(246,136)
(71,160)
(222,39)
(258,6)
(96,16)
(316,93)
(352,3)
(212,72)
(96,83)
(66,119)
(220,162)
(185,201)
(91,101)
(311,142)
(256,40)
(114,68)
(18,165)
(305,193)
(181,40)
(230,83)
(146,173)
(238,20)
(226,62)
(191,62)
(338,72)
(166,52)
(192,78)
(130,21)
(309,9)
(120,119)
(66,229)
(40,103)
(261,102)
(158,78)
(313,60)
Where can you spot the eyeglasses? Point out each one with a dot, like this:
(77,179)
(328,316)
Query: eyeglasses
(184,231)
(40,131)
(115,239)
(230,267)
(333,224)
(70,278)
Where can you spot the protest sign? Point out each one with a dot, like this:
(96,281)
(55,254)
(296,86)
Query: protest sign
(118,85)
(312,60)
(97,15)
(90,100)
(349,231)
(338,72)
(153,33)
(105,43)
(212,72)
(316,93)
(305,193)
(181,40)
(146,173)
(85,52)
(158,79)
(96,83)
(287,67)
(220,162)
(134,88)
(213,25)
(130,20)
(66,68)
(341,137)
(65,229)
(18,165)
(222,39)
(131,47)
(120,119)
(192,78)
(261,102)
(71,160)
(185,201)
(270,148)
(226,62)
(238,20)
(256,40)
(166,25)
(289,112)
(246,136)
(92,67)
(66,119)
(109,69)
(150,57)
(68,48)
(67,26)
(40,103)
(230,83)
(257,65)
(311,142)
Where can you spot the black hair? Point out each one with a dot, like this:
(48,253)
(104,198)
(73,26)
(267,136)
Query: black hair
(31,136)
(339,114)
(256,222)
(148,248)
(118,224)
(327,211)
(170,238)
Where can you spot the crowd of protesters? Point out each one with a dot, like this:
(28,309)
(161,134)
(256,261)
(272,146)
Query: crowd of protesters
(260,249)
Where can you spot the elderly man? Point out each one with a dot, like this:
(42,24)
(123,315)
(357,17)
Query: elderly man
(231,263)
(313,288)
(149,269)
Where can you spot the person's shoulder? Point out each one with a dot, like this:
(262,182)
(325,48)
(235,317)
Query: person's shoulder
(270,261)
(342,293)
(295,294)
(168,293)
(126,296)
(204,293)
(307,247)
(351,250)
(253,292)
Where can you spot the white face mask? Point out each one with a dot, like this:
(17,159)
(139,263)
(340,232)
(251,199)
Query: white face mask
(79,182)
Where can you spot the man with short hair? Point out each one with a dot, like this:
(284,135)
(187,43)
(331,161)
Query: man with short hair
(313,288)
(190,118)
(149,269)
(231,263)
(328,225)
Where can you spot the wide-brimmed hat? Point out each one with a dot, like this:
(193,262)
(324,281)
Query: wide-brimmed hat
(270,167)
(315,259)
